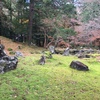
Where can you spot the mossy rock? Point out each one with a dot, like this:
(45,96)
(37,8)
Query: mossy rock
(12,52)
(59,50)
(10,49)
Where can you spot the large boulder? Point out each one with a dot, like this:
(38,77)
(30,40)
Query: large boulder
(7,63)
(79,66)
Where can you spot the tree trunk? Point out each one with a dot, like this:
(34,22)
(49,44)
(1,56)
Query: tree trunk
(30,21)
(45,40)
(10,11)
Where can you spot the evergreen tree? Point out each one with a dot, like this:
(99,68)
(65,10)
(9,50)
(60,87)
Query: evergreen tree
(28,16)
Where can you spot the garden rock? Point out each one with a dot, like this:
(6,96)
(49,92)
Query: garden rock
(66,52)
(83,56)
(52,49)
(59,50)
(7,63)
(19,54)
(2,52)
(42,60)
(74,51)
(79,66)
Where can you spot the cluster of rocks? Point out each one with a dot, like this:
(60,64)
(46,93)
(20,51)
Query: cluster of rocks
(80,53)
(82,50)
(7,63)
(54,50)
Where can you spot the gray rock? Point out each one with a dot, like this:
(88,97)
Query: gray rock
(42,60)
(2,62)
(7,63)
(74,51)
(19,54)
(1,69)
(52,49)
(2,52)
(79,66)
(66,52)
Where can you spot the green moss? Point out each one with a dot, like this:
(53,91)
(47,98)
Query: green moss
(12,52)
(53,81)
(10,49)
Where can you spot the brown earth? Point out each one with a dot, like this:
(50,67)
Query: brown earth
(25,49)
(16,46)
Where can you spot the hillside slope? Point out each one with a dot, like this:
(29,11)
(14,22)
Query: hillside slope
(16,46)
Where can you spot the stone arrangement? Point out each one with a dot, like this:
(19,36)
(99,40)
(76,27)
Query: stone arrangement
(7,63)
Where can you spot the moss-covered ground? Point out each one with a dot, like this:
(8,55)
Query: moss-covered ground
(53,81)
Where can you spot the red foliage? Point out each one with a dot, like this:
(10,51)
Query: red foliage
(96,42)
(63,44)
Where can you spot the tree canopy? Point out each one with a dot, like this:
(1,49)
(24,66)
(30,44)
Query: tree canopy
(90,11)
(29,17)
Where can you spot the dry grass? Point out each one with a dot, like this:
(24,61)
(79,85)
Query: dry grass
(25,49)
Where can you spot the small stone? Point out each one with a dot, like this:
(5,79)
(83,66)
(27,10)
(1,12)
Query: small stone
(42,60)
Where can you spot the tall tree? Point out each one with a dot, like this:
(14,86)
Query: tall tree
(28,16)
(31,11)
